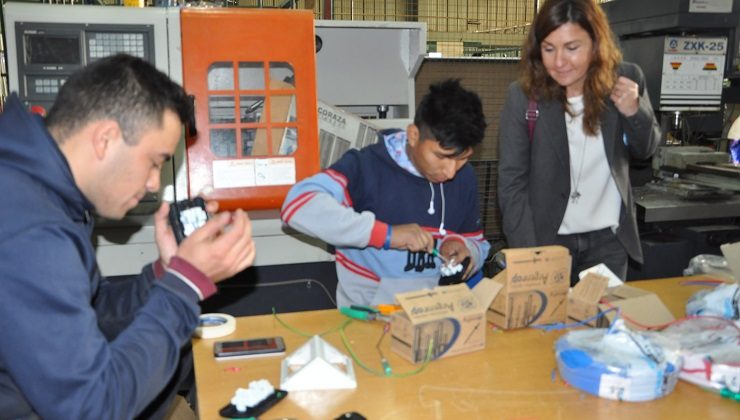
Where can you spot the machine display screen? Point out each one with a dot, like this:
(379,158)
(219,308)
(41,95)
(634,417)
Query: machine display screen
(47,49)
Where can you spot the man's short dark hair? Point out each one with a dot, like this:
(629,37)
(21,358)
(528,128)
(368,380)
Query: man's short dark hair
(451,115)
(126,89)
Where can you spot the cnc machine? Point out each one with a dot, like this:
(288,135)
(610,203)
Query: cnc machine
(259,84)
(688,196)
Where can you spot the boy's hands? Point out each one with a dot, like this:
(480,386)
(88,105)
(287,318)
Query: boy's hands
(454,248)
(411,237)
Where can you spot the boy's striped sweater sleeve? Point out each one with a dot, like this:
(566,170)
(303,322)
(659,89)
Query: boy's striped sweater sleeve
(321,206)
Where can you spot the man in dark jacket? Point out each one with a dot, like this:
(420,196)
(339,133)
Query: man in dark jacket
(111,128)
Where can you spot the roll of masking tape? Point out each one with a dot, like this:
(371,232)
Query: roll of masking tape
(215,325)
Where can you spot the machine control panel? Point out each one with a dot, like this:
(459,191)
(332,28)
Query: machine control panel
(49,52)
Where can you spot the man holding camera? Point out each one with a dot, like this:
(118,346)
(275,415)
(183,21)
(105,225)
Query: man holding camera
(76,345)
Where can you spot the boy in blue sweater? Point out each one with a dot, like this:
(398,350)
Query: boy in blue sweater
(387,207)
(76,345)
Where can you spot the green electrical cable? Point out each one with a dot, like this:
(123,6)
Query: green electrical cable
(341,328)
(303,333)
(357,360)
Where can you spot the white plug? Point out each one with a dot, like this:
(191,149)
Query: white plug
(250,397)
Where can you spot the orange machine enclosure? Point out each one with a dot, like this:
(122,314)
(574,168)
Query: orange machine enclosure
(257,175)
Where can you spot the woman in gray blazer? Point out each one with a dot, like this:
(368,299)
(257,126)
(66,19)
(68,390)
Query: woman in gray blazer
(567,181)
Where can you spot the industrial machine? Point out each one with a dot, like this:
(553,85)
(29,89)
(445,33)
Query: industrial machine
(257,76)
(688,196)
(688,52)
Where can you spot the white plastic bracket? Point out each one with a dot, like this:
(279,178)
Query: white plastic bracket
(317,365)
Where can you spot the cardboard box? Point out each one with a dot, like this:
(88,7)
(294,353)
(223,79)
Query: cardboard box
(731,251)
(591,296)
(535,287)
(583,299)
(452,318)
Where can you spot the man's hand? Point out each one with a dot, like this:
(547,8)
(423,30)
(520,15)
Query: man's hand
(455,248)
(163,234)
(411,237)
(222,247)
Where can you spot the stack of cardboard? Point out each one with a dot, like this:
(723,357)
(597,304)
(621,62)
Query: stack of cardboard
(532,290)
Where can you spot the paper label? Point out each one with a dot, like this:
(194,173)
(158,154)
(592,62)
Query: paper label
(728,375)
(241,173)
(233,173)
(275,171)
(693,71)
(710,6)
(614,387)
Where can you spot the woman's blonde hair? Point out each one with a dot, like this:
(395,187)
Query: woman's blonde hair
(602,72)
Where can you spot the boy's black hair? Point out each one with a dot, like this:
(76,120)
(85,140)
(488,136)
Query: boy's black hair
(121,87)
(451,115)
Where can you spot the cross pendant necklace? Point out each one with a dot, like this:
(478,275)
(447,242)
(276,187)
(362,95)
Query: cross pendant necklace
(575,195)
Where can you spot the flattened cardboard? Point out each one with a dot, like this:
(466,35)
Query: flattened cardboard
(534,287)
(638,305)
(732,255)
(584,297)
(452,318)
(635,304)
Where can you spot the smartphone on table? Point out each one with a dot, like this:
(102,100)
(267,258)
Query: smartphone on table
(253,347)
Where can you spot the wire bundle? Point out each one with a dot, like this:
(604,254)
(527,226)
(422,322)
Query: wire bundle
(617,363)
(722,301)
(710,347)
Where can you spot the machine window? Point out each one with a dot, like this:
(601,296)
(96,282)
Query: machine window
(282,108)
(288,138)
(251,108)
(251,76)
(248,137)
(221,109)
(266,124)
(282,71)
(223,142)
(221,76)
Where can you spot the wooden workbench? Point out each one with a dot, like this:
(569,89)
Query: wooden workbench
(513,378)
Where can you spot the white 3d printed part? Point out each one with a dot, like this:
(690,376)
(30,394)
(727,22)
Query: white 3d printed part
(317,365)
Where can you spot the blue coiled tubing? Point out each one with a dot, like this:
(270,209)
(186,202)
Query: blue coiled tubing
(617,363)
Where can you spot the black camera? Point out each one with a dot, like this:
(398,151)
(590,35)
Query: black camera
(186,216)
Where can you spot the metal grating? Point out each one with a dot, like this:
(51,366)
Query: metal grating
(455,28)
(487,174)
(489,78)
